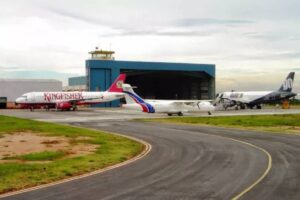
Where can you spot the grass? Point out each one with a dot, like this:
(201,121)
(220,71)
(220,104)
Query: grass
(112,149)
(40,156)
(272,123)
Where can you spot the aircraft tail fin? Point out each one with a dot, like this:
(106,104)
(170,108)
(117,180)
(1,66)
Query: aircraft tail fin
(287,85)
(117,85)
(132,98)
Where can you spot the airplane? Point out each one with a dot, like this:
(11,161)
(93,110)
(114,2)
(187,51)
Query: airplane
(253,99)
(170,107)
(70,100)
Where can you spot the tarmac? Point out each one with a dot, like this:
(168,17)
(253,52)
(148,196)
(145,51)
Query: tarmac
(185,162)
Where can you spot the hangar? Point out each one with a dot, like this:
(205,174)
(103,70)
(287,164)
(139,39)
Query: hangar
(154,80)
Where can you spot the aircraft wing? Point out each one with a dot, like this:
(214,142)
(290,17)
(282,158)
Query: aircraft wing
(179,101)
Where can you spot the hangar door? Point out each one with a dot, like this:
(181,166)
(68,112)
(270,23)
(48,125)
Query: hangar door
(3,102)
(100,80)
(169,84)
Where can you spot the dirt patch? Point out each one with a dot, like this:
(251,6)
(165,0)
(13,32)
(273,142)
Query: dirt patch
(26,143)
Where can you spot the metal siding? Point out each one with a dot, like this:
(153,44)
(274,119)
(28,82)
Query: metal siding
(80,80)
(208,68)
(115,73)
(100,78)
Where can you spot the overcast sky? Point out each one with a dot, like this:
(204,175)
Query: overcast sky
(254,43)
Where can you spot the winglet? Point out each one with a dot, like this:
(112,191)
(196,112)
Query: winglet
(117,85)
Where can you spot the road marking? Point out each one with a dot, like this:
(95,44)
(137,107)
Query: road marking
(147,149)
(256,147)
(262,176)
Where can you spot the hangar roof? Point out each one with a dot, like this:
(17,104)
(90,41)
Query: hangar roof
(140,65)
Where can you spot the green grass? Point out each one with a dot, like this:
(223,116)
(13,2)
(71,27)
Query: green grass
(273,123)
(112,149)
(40,156)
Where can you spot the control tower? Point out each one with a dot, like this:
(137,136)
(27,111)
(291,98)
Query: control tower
(102,54)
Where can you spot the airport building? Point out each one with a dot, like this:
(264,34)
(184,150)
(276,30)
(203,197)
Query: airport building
(10,89)
(154,80)
(76,84)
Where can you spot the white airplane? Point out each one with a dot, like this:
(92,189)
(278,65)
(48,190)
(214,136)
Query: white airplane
(253,99)
(70,100)
(170,107)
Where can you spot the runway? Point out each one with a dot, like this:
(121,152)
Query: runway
(189,162)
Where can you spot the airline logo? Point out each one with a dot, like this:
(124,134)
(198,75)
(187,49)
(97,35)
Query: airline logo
(62,96)
(119,84)
(236,95)
(288,83)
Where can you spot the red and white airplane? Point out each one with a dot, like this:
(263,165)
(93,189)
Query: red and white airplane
(70,100)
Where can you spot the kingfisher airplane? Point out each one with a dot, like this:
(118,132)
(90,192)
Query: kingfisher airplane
(253,99)
(170,107)
(70,100)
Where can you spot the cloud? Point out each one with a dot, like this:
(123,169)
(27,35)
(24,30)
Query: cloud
(253,82)
(158,32)
(181,27)
(295,69)
(75,16)
(253,38)
(273,36)
(192,22)
(268,56)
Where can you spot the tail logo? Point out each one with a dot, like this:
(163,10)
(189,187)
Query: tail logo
(287,84)
(119,84)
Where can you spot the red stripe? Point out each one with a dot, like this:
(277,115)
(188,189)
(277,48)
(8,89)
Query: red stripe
(144,107)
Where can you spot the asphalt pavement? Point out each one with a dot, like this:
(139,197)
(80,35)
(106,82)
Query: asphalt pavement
(186,162)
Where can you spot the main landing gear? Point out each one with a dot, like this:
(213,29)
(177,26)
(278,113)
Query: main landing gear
(179,114)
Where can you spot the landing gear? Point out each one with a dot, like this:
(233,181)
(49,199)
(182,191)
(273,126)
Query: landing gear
(258,106)
(74,108)
(31,108)
(169,114)
(209,113)
(243,106)
(180,114)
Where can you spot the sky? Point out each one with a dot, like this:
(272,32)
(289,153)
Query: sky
(253,43)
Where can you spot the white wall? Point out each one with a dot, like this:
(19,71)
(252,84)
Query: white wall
(13,88)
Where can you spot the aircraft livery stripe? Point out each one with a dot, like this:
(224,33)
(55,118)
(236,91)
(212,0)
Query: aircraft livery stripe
(145,106)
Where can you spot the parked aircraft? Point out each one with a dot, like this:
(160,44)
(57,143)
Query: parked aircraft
(253,99)
(170,107)
(70,100)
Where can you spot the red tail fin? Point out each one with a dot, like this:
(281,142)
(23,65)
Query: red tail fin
(117,85)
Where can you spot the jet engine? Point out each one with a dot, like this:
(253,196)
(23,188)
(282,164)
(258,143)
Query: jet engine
(63,105)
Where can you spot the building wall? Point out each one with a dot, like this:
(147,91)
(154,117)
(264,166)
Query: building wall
(74,81)
(13,88)
(101,73)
